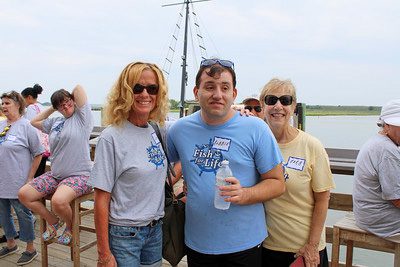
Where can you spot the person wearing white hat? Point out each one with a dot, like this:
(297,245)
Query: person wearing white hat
(252,104)
(376,189)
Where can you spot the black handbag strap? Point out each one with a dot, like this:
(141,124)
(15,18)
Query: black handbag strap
(170,168)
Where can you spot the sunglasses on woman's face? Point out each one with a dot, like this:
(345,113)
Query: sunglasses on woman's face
(256,108)
(285,100)
(151,89)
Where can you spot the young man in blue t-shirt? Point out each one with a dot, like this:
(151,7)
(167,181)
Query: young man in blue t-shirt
(201,141)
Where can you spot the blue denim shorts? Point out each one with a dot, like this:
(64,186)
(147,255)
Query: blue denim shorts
(136,246)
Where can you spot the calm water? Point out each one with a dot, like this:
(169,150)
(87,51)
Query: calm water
(338,132)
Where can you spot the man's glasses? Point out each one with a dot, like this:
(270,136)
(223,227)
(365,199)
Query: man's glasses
(285,100)
(151,89)
(256,108)
(222,62)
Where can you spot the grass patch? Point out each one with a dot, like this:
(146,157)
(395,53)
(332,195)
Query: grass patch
(320,110)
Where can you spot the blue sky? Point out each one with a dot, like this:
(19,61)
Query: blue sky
(336,52)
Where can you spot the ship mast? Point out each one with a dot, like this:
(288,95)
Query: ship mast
(184,55)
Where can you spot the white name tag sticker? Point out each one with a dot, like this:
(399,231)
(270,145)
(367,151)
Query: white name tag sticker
(296,163)
(155,138)
(221,143)
(11,137)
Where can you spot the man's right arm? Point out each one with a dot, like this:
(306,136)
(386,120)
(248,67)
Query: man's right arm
(272,185)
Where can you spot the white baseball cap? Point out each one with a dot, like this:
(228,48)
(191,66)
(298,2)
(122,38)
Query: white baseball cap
(390,113)
(249,98)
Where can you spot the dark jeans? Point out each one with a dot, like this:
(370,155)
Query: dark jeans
(272,258)
(246,258)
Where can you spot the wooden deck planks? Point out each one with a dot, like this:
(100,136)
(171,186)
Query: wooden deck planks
(59,255)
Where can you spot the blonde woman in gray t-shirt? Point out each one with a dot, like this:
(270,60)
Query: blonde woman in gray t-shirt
(70,161)
(130,169)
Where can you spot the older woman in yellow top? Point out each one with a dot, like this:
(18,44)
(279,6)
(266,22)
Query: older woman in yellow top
(296,219)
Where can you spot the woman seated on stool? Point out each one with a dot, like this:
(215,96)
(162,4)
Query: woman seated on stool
(376,189)
(70,161)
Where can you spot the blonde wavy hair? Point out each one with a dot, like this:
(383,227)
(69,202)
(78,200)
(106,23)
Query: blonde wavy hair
(274,84)
(120,98)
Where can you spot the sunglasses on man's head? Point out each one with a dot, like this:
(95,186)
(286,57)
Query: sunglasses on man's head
(151,89)
(222,62)
(250,108)
(285,100)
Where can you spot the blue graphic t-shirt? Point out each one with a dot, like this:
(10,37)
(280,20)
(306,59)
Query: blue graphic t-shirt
(251,149)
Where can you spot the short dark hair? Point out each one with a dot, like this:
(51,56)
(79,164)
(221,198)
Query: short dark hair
(59,96)
(215,70)
(17,98)
(32,91)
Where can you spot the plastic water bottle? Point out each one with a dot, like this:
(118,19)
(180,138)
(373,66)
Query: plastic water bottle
(223,172)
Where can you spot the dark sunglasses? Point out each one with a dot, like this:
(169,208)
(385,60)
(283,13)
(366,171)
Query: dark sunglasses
(151,89)
(222,62)
(285,100)
(256,108)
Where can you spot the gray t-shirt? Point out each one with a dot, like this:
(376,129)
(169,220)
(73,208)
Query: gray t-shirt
(17,150)
(376,182)
(131,165)
(32,110)
(69,143)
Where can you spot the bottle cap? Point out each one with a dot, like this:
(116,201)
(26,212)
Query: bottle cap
(225,162)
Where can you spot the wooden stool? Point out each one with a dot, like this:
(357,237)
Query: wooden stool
(77,213)
(346,231)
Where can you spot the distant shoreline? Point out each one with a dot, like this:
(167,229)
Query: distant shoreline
(322,110)
(319,110)
(313,110)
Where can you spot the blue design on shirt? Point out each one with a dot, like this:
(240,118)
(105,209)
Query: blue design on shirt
(58,128)
(207,158)
(155,155)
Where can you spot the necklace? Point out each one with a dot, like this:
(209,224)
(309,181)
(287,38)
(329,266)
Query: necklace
(6,129)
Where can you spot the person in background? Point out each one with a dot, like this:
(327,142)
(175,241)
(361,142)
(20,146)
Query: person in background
(201,142)
(33,108)
(70,161)
(376,188)
(20,155)
(130,169)
(252,104)
(295,220)
(2,116)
